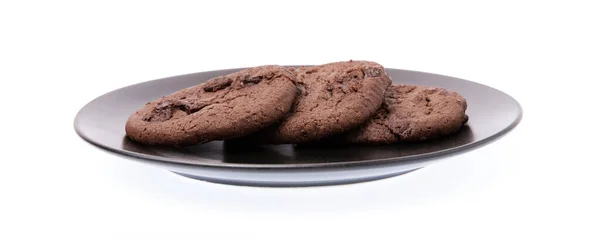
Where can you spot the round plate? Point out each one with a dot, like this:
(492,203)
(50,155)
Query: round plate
(101,122)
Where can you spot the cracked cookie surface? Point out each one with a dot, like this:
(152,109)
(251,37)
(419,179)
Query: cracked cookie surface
(331,98)
(412,113)
(221,108)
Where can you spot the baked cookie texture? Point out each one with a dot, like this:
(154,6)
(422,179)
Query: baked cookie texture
(412,113)
(331,99)
(222,108)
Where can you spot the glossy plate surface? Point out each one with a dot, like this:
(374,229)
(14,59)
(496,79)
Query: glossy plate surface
(101,122)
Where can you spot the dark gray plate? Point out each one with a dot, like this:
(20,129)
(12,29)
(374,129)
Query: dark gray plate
(101,122)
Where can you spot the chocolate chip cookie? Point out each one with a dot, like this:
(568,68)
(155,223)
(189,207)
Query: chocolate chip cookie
(223,107)
(412,113)
(331,99)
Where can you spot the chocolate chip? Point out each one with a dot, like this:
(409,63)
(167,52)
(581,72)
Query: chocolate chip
(217,84)
(184,108)
(164,105)
(313,70)
(190,107)
(372,72)
(248,81)
(301,88)
(163,111)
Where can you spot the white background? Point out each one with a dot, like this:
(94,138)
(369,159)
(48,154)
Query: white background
(540,180)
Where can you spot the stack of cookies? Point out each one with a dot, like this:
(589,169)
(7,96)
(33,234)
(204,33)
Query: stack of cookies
(353,102)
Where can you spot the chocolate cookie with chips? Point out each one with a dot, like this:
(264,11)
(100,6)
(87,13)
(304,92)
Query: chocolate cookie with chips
(332,98)
(224,107)
(412,113)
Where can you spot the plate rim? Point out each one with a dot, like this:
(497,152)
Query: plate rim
(418,158)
